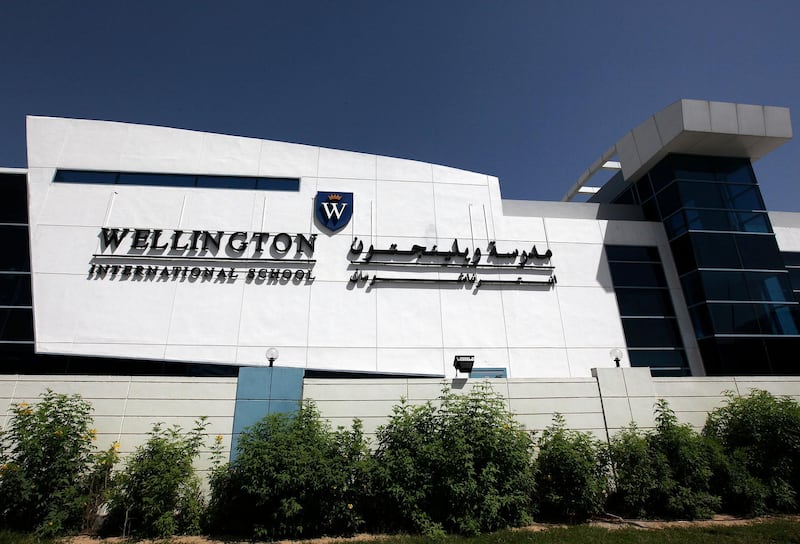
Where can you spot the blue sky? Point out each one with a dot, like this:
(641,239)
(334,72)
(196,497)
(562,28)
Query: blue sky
(529,91)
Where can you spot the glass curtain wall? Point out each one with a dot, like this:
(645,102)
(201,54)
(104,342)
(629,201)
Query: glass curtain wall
(734,280)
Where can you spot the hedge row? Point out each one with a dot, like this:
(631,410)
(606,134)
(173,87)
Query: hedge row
(461,465)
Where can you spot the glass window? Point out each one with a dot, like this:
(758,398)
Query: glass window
(633,253)
(177,180)
(15,255)
(735,170)
(701,321)
(163,180)
(724,285)
(692,288)
(714,250)
(644,189)
(791,258)
(709,220)
(669,200)
(734,356)
(278,184)
(675,224)
(752,221)
(794,277)
(683,255)
(643,332)
(658,357)
(85,176)
(16,324)
(772,286)
(691,167)
(743,197)
(778,318)
(759,251)
(13,199)
(730,318)
(15,289)
(226,182)
(662,175)
(698,194)
(641,302)
(625,197)
(637,274)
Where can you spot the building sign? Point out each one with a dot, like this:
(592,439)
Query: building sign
(333,210)
(202,255)
(218,256)
(508,269)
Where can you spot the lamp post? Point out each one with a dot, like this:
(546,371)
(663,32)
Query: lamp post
(272,355)
(616,355)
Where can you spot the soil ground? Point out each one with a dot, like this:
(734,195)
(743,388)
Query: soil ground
(607,522)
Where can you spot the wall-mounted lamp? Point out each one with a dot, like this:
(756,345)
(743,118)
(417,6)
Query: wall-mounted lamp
(616,355)
(464,363)
(272,355)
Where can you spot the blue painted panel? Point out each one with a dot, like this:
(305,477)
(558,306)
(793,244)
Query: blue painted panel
(253,383)
(247,413)
(287,383)
(285,406)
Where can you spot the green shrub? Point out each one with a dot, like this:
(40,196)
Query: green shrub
(292,477)
(571,479)
(665,473)
(158,493)
(760,434)
(45,463)
(636,478)
(464,467)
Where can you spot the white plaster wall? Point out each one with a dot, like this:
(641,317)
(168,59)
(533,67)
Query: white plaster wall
(125,408)
(607,403)
(559,331)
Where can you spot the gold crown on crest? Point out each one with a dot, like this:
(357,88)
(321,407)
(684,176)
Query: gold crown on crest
(335,197)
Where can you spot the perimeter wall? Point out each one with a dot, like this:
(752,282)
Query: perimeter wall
(125,408)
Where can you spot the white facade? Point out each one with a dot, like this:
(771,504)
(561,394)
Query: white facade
(562,329)
(542,306)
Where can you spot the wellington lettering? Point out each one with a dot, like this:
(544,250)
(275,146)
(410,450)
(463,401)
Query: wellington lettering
(202,241)
(203,255)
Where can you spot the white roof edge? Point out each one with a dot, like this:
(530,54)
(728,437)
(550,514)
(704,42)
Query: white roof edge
(124,124)
(5,170)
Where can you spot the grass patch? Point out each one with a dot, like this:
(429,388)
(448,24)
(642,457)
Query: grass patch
(774,531)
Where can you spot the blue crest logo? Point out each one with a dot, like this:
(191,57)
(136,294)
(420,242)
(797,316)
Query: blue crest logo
(333,210)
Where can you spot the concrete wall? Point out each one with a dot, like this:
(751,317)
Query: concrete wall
(126,407)
(607,402)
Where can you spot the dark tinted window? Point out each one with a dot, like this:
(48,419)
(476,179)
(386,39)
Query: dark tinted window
(759,252)
(633,253)
(637,274)
(15,289)
(13,199)
(647,332)
(177,180)
(163,180)
(16,324)
(14,243)
(641,302)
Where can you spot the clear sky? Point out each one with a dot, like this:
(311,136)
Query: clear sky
(529,91)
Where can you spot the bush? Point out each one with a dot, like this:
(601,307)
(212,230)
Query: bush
(292,477)
(158,492)
(464,467)
(760,434)
(571,480)
(665,473)
(45,462)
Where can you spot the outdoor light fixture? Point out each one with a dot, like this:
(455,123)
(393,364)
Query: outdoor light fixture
(464,363)
(616,355)
(272,355)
